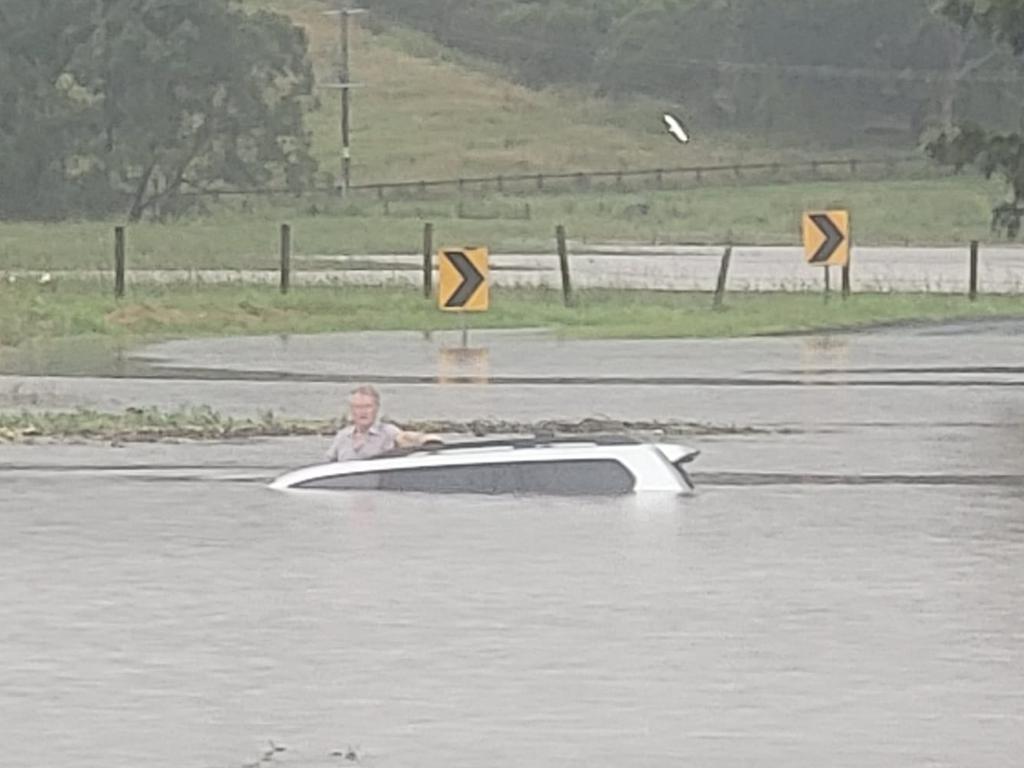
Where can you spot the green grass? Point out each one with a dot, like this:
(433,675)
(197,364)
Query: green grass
(30,313)
(936,211)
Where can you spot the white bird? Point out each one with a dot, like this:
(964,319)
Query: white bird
(676,129)
(46,278)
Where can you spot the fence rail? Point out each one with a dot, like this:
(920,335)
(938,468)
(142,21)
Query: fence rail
(583,179)
(698,173)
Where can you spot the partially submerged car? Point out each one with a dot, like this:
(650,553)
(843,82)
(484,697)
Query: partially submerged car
(593,465)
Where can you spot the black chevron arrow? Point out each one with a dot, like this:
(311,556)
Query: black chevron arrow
(833,237)
(471,279)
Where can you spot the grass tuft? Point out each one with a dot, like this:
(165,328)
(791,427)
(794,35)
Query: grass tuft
(31,313)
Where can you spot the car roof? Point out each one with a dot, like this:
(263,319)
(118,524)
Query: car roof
(650,463)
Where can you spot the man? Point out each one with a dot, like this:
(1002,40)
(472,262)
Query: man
(366,436)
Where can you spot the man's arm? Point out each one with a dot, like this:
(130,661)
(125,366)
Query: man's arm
(406,439)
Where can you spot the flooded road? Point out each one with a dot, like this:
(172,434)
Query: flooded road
(184,618)
(846,587)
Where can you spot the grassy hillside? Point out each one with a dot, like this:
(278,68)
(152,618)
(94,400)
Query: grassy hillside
(428,112)
(422,114)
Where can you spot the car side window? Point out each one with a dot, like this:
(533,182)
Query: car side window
(353,482)
(596,477)
(477,478)
(578,477)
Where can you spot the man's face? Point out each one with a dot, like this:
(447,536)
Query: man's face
(362,410)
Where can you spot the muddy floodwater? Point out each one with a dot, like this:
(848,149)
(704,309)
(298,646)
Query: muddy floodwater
(846,588)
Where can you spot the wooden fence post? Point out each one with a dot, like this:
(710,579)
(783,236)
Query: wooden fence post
(563,263)
(428,259)
(723,273)
(847,266)
(972,292)
(118,262)
(286,257)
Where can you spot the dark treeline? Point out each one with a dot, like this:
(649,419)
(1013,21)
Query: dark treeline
(838,71)
(123,105)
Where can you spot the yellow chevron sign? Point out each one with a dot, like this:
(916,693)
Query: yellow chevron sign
(462,276)
(827,238)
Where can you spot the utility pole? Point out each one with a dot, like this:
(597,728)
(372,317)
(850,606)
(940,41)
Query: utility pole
(343,85)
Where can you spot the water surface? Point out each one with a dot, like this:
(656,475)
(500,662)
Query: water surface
(186,616)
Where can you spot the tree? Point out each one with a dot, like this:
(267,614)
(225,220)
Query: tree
(993,153)
(147,100)
(40,115)
(1003,20)
(831,71)
(964,50)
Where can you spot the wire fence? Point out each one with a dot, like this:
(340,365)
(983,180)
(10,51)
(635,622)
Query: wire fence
(900,167)
(572,265)
(655,177)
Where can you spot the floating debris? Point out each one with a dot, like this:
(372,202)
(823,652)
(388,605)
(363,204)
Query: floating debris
(346,754)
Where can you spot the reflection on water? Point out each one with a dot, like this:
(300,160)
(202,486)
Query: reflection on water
(186,623)
(463,364)
(78,356)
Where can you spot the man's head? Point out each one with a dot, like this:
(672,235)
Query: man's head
(363,406)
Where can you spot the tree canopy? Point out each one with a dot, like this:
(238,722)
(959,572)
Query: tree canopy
(994,152)
(839,72)
(126,105)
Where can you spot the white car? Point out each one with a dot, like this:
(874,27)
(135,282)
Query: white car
(544,465)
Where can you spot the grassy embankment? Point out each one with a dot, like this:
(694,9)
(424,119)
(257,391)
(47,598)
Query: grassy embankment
(70,310)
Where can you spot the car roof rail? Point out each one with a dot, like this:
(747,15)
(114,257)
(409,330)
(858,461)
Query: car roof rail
(535,441)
